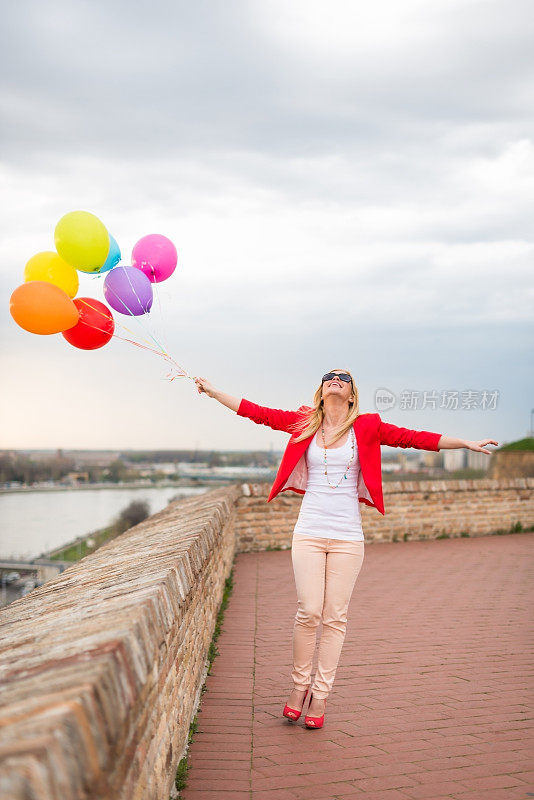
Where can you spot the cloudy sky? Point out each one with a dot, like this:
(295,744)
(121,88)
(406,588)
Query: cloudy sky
(348,184)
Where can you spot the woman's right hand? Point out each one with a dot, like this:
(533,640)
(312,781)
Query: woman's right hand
(204,386)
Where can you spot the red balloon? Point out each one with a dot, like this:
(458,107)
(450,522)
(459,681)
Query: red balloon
(95,326)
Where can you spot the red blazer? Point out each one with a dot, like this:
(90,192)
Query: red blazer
(370,432)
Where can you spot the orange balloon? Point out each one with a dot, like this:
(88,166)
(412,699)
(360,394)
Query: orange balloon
(41,307)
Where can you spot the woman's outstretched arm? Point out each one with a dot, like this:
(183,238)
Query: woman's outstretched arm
(450,443)
(396,436)
(226,399)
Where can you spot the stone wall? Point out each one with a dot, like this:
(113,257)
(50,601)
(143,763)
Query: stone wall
(414,510)
(511,464)
(101,668)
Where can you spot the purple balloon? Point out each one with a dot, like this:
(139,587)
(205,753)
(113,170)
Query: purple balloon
(128,290)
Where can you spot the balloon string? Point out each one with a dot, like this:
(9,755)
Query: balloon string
(137,344)
(155,284)
(116,321)
(155,287)
(177,371)
(147,310)
(170,376)
(134,316)
(146,330)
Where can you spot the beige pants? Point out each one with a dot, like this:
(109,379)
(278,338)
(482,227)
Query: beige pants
(325,574)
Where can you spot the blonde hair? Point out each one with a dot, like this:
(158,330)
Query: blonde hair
(311,420)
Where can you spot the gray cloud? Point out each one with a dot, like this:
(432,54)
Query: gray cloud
(169,78)
(353,188)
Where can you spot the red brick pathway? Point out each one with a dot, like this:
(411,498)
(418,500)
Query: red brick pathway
(433,693)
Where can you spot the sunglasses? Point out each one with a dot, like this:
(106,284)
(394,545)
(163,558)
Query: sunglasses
(341,375)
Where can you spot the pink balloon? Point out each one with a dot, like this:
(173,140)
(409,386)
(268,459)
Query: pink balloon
(156,256)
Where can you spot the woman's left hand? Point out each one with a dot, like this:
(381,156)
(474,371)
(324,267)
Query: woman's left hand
(479,447)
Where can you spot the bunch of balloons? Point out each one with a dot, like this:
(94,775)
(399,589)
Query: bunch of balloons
(46,302)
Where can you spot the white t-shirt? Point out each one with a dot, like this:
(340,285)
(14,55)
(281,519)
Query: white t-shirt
(326,512)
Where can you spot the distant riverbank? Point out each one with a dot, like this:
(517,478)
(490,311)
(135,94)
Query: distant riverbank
(184,484)
(40,521)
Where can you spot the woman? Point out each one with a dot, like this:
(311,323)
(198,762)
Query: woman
(333,459)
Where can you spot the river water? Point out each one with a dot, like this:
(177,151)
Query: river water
(32,523)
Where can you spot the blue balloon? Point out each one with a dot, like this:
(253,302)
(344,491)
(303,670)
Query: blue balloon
(114,255)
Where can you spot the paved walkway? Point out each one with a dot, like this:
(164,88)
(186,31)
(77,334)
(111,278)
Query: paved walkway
(433,693)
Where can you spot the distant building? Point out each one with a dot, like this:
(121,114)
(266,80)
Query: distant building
(391,466)
(200,467)
(167,467)
(454,459)
(75,478)
(431,459)
(478,460)
(94,458)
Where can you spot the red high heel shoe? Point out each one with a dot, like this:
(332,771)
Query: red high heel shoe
(292,713)
(314,722)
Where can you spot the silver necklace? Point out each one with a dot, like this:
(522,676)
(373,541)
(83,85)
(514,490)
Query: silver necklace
(348,465)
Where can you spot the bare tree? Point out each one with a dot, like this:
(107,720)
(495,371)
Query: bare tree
(133,514)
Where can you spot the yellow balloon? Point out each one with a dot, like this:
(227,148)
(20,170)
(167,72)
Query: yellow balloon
(82,240)
(49,267)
